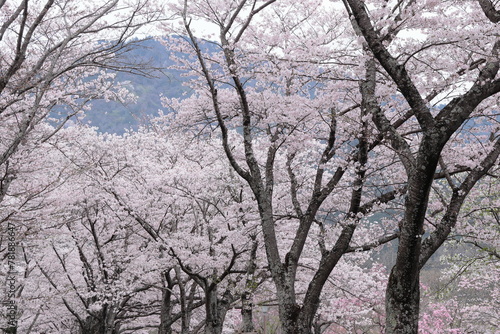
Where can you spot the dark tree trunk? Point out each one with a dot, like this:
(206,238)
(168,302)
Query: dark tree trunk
(216,310)
(403,291)
(93,325)
(247,295)
(402,305)
(165,313)
(100,323)
(247,312)
(10,330)
(166,306)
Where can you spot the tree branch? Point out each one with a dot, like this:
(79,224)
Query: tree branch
(489,10)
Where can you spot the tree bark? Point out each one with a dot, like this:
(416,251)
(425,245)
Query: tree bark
(166,306)
(216,309)
(250,286)
(403,291)
(101,323)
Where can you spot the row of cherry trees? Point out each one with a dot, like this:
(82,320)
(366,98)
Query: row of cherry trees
(315,133)
(388,103)
(143,234)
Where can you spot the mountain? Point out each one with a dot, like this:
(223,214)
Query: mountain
(113,117)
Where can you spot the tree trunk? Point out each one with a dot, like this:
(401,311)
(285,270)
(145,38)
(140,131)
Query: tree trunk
(101,323)
(289,310)
(247,313)
(166,306)
(402,304)
(10,330)
(110,320)
(165,313)
(216,310)
(403,290)
(247,295)
(92,325)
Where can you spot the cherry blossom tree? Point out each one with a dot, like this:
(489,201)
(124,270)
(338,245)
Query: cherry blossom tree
(53,58)
(450,92)
(315,133)
(78,273)
(206,229)
(268,87)
(38,173)
(53,54)
(200,240)
(293,125)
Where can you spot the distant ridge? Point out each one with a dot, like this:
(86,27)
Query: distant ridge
(114,117)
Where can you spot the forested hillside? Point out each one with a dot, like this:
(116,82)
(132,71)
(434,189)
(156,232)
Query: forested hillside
(116,117)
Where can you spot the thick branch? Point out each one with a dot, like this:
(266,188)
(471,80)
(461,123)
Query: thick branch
(397,71)
(366,247)
(489,10)
(449,220)
(213,92)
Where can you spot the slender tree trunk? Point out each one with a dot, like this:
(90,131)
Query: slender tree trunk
(247,312)
(166,306)
(110,320)
(283,274)
(250,286)
(165,313)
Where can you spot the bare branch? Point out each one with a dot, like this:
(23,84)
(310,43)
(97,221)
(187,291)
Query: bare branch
(449,220)
(375,244)
(213,92)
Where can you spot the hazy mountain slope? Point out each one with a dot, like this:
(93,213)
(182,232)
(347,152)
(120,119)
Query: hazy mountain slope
(114,117)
